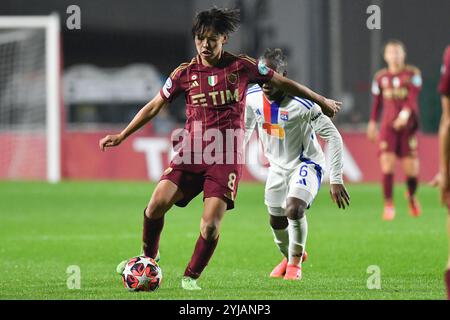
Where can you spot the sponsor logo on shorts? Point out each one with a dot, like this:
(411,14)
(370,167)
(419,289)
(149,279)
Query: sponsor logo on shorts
(167,171)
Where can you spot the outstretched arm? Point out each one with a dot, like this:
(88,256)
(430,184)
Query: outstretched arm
(444,145)
(326,129)
(329,107)
(148,112)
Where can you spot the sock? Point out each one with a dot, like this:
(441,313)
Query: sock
(388,182)
(150,235)
(202,253)
(281,239)
(298,231)
(411,183)
(447,282)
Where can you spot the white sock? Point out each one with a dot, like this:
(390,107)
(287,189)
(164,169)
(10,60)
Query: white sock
(298,231)
(281,239)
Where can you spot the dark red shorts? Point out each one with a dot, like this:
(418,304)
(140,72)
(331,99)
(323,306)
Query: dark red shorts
(215,180)
(403,143)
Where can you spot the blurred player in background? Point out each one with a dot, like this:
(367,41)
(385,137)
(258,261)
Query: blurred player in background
(214,85)
(395,92)
(444,146)
(286,126)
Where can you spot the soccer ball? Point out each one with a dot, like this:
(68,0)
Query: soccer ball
(142,274)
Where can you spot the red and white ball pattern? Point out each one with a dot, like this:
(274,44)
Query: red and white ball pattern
(142,274)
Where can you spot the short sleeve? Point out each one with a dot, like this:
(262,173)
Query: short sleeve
(444,84)
(173,85)
(258,72)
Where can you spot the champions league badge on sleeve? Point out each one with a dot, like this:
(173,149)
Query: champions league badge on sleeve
(262,67)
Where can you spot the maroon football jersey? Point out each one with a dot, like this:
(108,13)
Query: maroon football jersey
(393,92)
(444,84)
(215,96)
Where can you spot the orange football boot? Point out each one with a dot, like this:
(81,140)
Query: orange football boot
(414,206)
(293,272)
(280,270)
(389,211)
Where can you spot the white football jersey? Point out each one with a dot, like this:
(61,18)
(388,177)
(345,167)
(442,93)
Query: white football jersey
(287,130)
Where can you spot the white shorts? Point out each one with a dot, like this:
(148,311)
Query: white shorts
(302,183)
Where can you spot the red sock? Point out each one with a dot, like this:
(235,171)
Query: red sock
(388,182)
(150,235)
(447,282)
(202,253)
(411,182)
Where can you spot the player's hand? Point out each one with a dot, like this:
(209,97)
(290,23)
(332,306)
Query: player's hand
(330,107)
(435,182)
(444,188)
(399,123)
(372,131)
(339,195)
(110,141)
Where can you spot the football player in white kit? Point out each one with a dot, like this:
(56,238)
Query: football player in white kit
(287,128)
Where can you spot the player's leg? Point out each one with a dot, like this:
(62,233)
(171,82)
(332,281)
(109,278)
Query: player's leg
(447,273)
(219,191)
(389,145)
(163,198)
(298,229)
(410,165)
(279,225)
(298,232)
(275,199)
(213,212)
(303,188)
(387,164)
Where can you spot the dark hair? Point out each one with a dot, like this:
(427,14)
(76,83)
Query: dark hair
(222,21)
(277,58)
(396,43)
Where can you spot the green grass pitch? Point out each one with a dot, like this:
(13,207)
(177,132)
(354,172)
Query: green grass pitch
(94,225)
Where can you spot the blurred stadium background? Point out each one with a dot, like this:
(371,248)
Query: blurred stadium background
(124,50)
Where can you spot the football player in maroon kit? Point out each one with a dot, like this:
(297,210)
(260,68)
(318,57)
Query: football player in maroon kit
(395,90)
(444,146)
(214,85)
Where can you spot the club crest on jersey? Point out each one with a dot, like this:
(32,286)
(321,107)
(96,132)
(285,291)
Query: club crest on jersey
(284,115)
(232,77)
(212,80)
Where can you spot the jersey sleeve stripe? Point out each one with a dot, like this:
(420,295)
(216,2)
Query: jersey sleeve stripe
(179,68)
(252,61)
(307,102)
(307,106)
(253,91)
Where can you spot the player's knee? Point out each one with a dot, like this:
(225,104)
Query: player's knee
(278,223)
(295,211)
(156,208)
(209,230)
